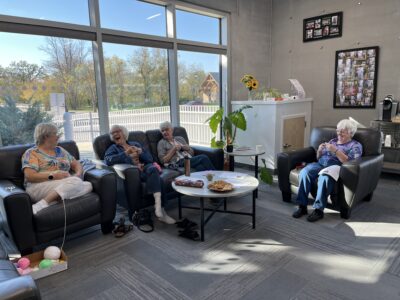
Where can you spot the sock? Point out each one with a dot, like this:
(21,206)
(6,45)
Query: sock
(165,218)
(38,206)
(157,205)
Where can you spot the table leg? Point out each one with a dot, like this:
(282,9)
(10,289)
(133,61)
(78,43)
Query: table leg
(256,172)
(202,219)
(254,209)
(231,163)
(180,207)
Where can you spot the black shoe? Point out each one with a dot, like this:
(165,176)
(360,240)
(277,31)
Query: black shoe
(301,211)
(315,215)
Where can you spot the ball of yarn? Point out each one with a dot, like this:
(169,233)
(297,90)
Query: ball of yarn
(45,263)
(52,252)
(23,263)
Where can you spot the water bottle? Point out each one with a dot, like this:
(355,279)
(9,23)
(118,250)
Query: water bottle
(187,166)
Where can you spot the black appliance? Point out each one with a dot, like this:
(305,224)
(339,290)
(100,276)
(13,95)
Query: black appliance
(388,108)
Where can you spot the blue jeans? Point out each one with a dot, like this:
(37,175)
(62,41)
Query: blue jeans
(154,183)
(308,176)
(199,162)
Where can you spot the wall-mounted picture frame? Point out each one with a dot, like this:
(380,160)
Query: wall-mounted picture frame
(323,27)
(356,76)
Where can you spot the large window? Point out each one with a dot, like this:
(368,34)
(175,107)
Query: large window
(40,79)
(69,11)
(132,15)
(137,86)
(196,27)
(121,67)
(199,92)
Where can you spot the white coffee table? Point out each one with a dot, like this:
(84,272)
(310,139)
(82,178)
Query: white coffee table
(243,184)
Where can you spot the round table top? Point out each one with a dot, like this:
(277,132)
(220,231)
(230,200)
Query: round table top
(245,152)
(242,184)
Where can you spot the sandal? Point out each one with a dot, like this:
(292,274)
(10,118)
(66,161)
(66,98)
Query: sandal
(189,234)
(186,223)
(121,229)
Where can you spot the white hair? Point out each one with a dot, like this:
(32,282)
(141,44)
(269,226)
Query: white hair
(166,124)
(124,130)
(42,131)
(349,125)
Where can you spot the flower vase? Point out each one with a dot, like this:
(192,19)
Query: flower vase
(249,95)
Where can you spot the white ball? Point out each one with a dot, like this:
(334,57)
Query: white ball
(52,252)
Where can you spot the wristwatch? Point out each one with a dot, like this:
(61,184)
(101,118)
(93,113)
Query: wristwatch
(50,177)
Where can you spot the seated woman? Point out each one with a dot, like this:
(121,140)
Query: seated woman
(51,173)
(173,149)
(126,152)
(335,152)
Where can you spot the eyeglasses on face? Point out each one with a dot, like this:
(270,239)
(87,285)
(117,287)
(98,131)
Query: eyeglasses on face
(115,131)
(342,131)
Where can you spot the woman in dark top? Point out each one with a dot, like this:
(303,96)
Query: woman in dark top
(126,152)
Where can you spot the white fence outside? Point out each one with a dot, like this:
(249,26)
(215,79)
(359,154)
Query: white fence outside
(192,118)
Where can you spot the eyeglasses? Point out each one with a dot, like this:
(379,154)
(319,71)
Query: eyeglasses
(115,131)
(342,131)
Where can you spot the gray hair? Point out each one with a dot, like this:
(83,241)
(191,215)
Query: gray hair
(166,124)
(124,130)
(349,125)
(42,131)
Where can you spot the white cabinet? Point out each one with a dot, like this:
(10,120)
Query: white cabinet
(266,123)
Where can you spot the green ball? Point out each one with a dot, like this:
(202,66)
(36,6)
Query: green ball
(45,263)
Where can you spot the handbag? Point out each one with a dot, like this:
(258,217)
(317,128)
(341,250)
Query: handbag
(143,221)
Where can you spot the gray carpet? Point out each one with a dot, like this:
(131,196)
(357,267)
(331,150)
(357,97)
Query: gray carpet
(283,258)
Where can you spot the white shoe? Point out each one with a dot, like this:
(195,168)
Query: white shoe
(38,206)
(157,206)
(165,218)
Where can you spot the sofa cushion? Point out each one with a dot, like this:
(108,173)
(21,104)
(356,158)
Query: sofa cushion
(77,209)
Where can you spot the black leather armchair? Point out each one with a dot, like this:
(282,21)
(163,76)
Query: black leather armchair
(357,179)
(135,191)
(28,230)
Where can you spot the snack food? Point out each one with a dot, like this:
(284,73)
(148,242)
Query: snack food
(189,183)
(220,186)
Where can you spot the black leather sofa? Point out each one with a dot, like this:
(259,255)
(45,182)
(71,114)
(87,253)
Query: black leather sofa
(12,285)
(357,179)
(135,190)
(28,230)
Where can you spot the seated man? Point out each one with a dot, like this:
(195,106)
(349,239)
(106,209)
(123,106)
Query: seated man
(126,152)
(335,152)
(172,151)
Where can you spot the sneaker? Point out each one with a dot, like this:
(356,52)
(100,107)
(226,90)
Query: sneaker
(38,206)
(166,219)
(301,211)
(315,215)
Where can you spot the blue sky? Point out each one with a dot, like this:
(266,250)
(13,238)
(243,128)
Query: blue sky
(128,15)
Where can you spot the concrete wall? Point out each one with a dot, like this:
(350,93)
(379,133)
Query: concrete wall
(371,23)
(250,38)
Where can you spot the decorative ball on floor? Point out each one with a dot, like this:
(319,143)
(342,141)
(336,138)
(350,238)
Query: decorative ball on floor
(52,252)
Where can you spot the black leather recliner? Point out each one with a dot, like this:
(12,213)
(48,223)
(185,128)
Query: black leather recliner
(357,179)
(28,230)
(135,191)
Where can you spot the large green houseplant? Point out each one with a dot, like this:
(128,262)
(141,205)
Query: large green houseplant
(229,124)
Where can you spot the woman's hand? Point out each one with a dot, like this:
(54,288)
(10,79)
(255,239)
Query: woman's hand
(61,175)
(321,147)
(331,148)
(178,147)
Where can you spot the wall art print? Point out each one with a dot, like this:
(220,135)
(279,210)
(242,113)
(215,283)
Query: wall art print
(322,27)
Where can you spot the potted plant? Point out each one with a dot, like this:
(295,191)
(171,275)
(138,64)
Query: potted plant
(229,124)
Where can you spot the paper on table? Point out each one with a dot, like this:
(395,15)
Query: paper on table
(332,171)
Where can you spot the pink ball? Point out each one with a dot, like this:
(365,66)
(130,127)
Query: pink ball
(23,263)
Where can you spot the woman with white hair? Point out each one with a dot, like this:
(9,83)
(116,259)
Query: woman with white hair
(335,152)
(51,173)
(127,152)
(173,149)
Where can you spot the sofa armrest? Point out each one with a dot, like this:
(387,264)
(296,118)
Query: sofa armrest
(19,288)
(16,207)
(104,184)
(360,177)
(216,155)
(286,162)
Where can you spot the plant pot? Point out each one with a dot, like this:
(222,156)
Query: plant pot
(229,148)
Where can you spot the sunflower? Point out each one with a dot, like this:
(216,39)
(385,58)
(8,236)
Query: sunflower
(249,82)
